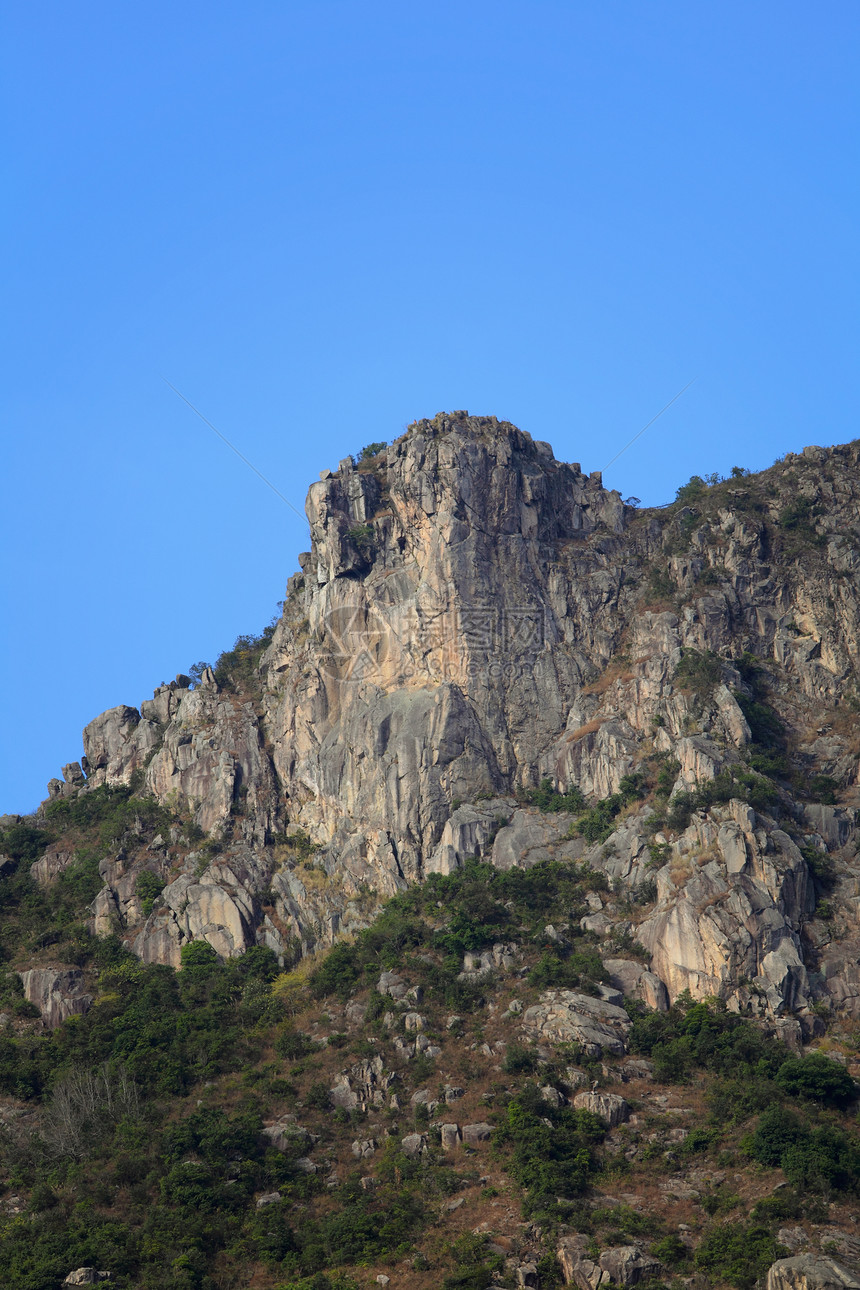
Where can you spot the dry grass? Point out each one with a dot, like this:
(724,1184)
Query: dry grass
(680,869)
(616,673)
(589,728)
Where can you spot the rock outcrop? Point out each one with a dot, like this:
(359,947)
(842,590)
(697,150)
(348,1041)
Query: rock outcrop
(58,993)
(563,1016)
(811,1272)
(609,1106)
(623,1265)
(474,617)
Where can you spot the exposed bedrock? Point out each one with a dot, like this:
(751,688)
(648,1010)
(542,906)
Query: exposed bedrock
(474,616)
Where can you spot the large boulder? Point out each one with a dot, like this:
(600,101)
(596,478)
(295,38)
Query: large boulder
(475,1133)
(58,993)
(636,982)
(609,1106)
(811,1272)
(623,1265)
(364,1085)
(51,864)
(565,1016)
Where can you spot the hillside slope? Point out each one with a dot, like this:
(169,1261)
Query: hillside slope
(605,763)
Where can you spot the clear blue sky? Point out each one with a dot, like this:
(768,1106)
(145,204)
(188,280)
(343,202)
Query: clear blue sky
(322,220)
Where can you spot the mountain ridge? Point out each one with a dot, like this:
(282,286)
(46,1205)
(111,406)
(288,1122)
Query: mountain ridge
(528,795)
(419,663)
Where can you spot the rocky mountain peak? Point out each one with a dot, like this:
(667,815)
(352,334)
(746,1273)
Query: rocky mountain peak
(488,653)
(451,480)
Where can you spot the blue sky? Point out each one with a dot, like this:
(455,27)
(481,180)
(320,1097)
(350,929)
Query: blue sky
(323,220)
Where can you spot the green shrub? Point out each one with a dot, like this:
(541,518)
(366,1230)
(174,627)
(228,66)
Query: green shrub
(798,517)
(198,958)
(236,668)
(519,1060)
(706,1036)
(782,1206)
(548,799)
(814,1159)
(765,726)
(148,888)
(319,1096)
(24,841)
(106,815)
(698,671)
(820,866)
(660,584)
(819,1079)
(362,536)
(692,490)
(338,973)
(824,1160)
(293,1045)
(550,1149)
(596,824)
(671,1251)
(772,764)
(823,788)
(730,783)
(738,1253)
(564,969)
(372,450)
(478,1277)
(475,1264)
(666,776)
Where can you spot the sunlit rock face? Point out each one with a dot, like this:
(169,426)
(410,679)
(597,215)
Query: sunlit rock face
(473,617)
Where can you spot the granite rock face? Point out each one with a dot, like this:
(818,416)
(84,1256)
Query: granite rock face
(58,993)
(609,1106)
(623,1265)
(811,1272)
(563,1016)
(474,617)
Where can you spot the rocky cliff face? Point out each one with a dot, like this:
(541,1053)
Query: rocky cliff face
(474,618)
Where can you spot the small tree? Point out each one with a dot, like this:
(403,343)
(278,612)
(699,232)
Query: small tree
(818,1078)
(84,1106)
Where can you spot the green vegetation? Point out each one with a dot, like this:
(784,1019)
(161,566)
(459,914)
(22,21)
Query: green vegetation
(150,1158)
(695,488)
(798,517)
(91,826)
(822,788)
(547,799)
(819,1079)
(733,782)
(482,906)
(551,1150)
(362,536)
(755,1075)
(107,814)
(151,1155)
(24,842)
(475,1265)
(660,584)
(594,823)
(236,669)
(739,1253)
(813,1157)
(559,967)
(371,450)
(148,888)
(698,671)
(704,1036)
